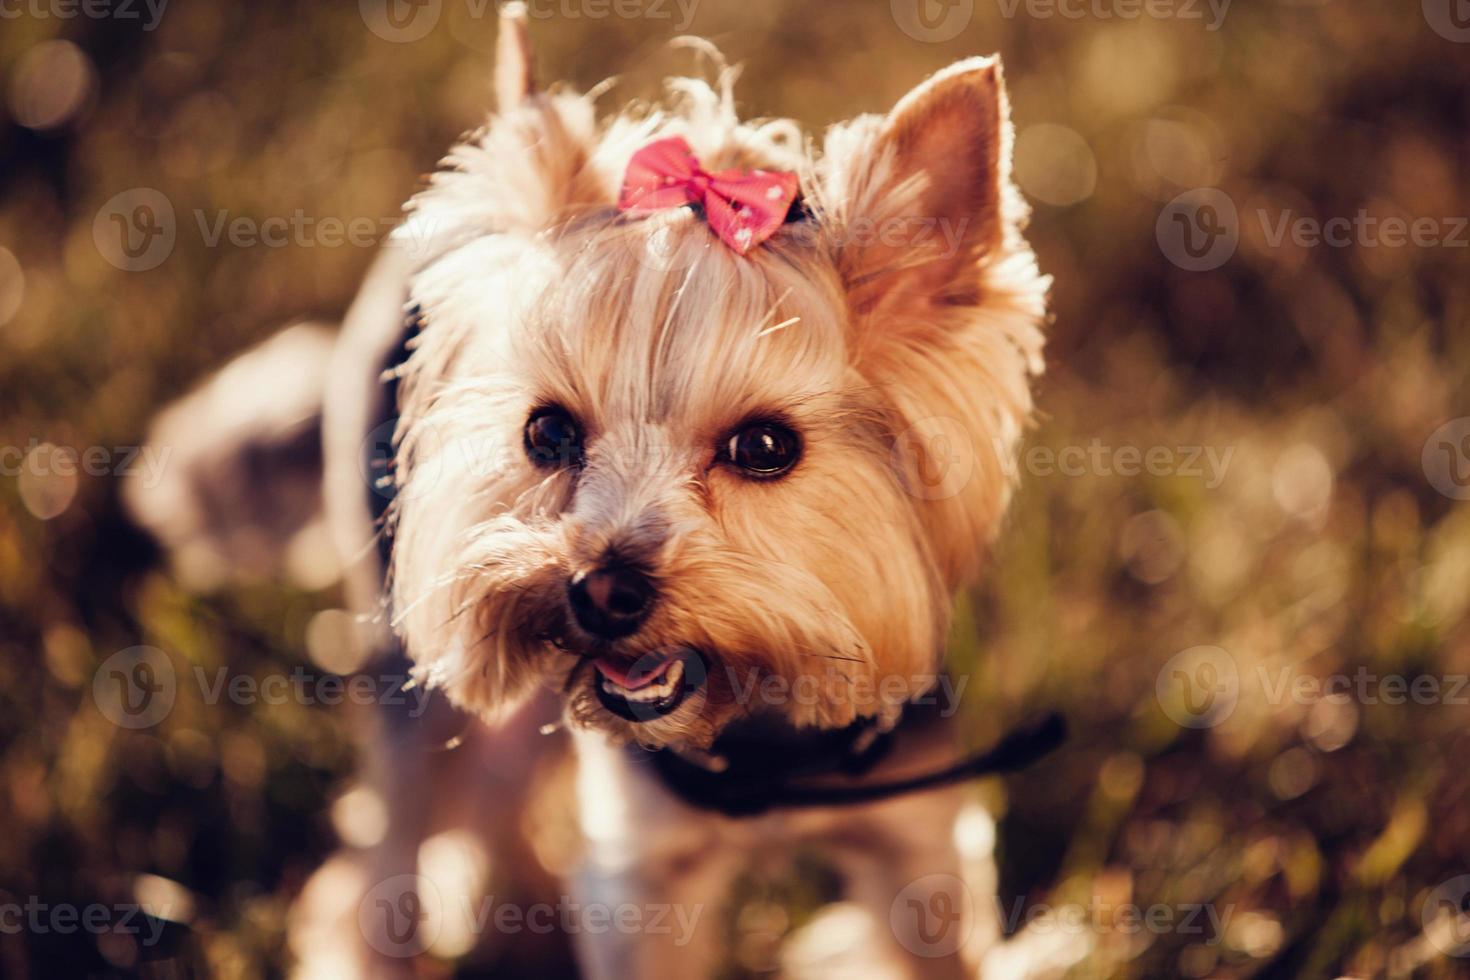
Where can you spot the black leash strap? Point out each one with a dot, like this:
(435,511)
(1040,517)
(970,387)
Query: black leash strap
(750,796)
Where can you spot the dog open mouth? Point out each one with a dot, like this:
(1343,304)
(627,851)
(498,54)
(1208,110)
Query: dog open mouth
(651,686)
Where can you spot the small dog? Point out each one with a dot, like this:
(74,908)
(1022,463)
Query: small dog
(701,430)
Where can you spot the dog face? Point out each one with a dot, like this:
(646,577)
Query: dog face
(683,485)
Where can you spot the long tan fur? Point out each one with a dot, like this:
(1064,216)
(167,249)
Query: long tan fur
(898,330)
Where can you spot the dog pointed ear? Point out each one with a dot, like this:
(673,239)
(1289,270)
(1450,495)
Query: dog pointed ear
(922,196)
(514,65)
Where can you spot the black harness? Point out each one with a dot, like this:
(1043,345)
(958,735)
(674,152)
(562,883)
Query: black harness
(760,765)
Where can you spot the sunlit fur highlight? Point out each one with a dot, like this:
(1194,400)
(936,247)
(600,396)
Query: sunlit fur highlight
(660,340)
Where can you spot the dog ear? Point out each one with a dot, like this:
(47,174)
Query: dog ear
(522,172)
(923,196)
(514,65)
(946,297)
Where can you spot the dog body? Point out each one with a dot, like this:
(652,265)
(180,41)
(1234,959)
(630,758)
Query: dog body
(645,850)
(691,490)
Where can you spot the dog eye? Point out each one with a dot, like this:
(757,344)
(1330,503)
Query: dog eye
(553,438)
(764,449)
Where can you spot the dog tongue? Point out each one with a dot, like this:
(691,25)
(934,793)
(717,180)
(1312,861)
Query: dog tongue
(631,677)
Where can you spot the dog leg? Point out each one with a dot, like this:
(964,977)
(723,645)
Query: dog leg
(900,862)
(666,920)
(657,870)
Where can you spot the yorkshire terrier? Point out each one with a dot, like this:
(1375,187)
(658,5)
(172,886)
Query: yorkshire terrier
(700,429)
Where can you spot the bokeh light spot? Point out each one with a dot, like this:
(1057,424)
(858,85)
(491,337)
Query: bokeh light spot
(50,85)
(12,286)
(47,484)
(1055,165)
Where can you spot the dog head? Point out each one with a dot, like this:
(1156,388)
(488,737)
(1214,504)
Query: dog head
(683,484)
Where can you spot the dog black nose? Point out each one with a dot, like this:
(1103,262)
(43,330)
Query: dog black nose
(611,602)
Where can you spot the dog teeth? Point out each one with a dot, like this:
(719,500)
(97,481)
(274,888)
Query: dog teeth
(652,693)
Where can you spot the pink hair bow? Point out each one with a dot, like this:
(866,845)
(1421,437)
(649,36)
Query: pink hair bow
(743,207)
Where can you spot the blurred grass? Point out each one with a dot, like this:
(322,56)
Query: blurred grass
(1321,370)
